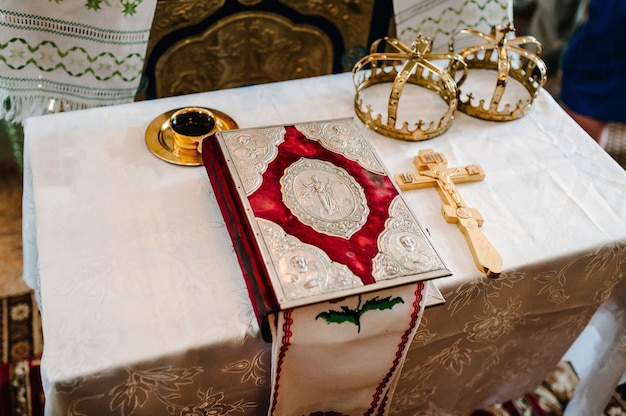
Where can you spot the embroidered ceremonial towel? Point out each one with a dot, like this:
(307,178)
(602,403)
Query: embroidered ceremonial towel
(70,54)
(334,260)
(344,357)
(440,19)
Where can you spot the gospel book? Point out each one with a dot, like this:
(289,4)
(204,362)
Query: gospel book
(314,215)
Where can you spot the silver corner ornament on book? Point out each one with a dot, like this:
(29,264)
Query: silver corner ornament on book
(314,215)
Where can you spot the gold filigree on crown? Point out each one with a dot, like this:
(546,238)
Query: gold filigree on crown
(398,67)
(509,57)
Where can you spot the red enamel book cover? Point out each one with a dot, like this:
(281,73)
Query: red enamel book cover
(314,215)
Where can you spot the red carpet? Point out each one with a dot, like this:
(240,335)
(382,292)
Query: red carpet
(552,396)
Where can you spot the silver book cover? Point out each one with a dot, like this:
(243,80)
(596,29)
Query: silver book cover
(326,216)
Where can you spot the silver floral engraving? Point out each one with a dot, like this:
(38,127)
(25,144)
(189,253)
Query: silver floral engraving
(251,153)
(304,270)
(341,136)
(403,248)
(325,197)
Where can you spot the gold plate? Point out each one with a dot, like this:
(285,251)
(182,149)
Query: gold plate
(161,143)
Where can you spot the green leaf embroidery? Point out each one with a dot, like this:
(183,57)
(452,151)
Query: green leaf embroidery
(129,7)
(354,315)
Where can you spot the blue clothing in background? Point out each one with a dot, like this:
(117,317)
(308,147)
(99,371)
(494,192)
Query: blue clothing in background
(594,64)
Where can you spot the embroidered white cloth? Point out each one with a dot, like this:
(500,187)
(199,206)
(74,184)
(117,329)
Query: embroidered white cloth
(344,357)
(440,19)
(70,54)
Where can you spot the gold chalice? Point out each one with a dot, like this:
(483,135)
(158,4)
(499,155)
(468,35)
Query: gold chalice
(190,126)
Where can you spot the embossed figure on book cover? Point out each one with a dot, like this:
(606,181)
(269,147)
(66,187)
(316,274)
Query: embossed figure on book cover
(322,212)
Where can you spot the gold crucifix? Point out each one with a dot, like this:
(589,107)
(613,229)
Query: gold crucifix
(432,170)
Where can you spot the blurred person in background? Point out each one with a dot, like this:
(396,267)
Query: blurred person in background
(593,88)
(552,22)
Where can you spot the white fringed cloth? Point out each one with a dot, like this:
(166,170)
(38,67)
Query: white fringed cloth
(69,54)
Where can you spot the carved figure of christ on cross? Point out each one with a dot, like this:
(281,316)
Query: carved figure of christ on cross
(432,170)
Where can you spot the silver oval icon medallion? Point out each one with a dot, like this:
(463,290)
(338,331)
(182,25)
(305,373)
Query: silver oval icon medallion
(325,197)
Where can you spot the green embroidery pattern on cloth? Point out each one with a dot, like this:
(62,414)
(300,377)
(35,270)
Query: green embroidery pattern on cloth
(439,19)
(353,316)
(75,61)
(129,7)
(70,54)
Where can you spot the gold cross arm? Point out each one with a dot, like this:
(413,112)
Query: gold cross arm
(433,171)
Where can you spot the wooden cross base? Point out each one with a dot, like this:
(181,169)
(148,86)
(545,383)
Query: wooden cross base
(432,170)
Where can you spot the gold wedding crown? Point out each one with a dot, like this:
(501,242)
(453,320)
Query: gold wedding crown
(509,57)
(401,66)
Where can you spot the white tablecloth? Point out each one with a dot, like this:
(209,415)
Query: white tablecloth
(144,307)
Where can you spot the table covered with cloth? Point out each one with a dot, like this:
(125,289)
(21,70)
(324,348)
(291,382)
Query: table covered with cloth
(145,310)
